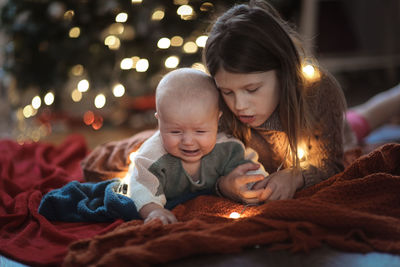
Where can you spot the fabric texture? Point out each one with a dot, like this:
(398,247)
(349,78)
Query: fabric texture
(87,202)
(356,210)
(27,172)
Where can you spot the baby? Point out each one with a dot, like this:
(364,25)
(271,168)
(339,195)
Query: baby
(186,154)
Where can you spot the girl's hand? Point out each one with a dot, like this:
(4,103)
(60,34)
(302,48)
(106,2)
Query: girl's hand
(164,215)
(280,185)
(234,185)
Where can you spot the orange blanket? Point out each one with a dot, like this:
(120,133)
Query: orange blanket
(356,210)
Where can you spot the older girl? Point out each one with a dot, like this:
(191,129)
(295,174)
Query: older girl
(294,121)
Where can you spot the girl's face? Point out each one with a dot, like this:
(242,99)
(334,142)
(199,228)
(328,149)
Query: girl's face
(252,97)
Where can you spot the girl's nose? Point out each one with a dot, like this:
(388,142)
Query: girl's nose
(240,102)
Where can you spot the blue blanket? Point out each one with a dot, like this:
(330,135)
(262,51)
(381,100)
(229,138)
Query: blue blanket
(96,202)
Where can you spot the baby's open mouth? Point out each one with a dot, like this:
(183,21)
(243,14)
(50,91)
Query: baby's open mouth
(190,152)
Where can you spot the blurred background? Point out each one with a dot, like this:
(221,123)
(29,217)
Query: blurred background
(91,67)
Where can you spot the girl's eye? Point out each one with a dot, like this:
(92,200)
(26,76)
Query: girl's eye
(226,92)
(252,90)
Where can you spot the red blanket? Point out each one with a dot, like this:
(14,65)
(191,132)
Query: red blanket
(356,210)
(28,172)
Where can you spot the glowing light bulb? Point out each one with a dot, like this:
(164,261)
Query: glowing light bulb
(234,215)
(201,41)
(36,102)
(76,95)
(300,153)
(142,65)
(163,43)
(308,71)
(121,17)
(158,15)
(126,63)
(100,101)
(172,62)
(176,41)
(49,98)
(74,32)
(118,90)
(184,10)
(190,47)
(83,85)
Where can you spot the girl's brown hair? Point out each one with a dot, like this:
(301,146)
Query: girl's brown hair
(252,38)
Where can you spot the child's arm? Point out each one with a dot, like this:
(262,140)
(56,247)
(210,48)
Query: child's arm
(153,211)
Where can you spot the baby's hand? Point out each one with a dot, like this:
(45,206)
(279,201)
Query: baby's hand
(164,215)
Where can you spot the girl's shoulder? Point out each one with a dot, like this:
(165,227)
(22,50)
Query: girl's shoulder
(325,89)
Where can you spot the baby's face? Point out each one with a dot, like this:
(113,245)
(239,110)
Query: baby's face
(188,130)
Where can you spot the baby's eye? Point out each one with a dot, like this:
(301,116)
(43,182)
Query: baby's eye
(200,131)
(175,132)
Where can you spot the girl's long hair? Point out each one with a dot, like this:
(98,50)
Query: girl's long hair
(252,38)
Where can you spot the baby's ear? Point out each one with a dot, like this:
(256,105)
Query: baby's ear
(156,115)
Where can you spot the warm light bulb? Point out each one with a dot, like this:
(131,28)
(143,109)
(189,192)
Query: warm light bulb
(100,101)
(118,90)
(83,85)
(185,10)
(171,62)
(190,47)
(234,215)
(36,102)
(76,95)
(201,41)
(163,43)
(74,32)
(300,153)
(308,71)
(142,65)
(121,17)
(126,63)
(49,98)
(176,41)
(158,15)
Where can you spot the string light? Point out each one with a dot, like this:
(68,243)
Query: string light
(164,43)
(234,215)
(76,95)
(190,47)
(121,17)
(142,65)
(176,41)
(36,102)
(158,14)
(74,32)
(171,62)
(116,28)
(201,40)
(206,7)
(184,10)
(135,60)
(49,98)
(69,14)
(199,66)
(83,85)
(112,42)
(300,153)
(77,70)
(136,1)
(27,111)
(118,90)
(126,64)
(100,101)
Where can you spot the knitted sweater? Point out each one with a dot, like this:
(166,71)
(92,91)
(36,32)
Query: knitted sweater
(155,176)
(324,149)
